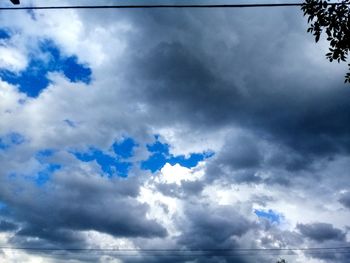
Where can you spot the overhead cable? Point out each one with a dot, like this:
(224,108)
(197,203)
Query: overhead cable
(160,6)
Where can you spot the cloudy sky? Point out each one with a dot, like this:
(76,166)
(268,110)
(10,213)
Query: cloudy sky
(170,130)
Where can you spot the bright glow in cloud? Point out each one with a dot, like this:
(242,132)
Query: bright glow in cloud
(170,129)
(11,59)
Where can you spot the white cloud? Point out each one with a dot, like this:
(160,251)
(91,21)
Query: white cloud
(118,102)
(12,59)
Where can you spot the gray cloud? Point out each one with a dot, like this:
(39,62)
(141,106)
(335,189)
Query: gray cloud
(345,199)
(216,227)
(7,226)
(321,232)
(77,201)
(176,78)
(205,72)
(241,153)
(185,190)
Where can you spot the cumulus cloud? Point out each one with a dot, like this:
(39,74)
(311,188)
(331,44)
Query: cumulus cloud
(253,93)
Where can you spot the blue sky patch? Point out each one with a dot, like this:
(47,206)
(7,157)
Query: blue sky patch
(43,155)
(160,156)
(4,34)
(272,216)
(154,163)
(110,165)
(44,175)
(10,140)
(3,145)
(191,161)
(34,79)
(2,205)
(158,147)
(118,164)
(124,149)
(41,177)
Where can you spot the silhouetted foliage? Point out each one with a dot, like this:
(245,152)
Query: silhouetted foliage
(281,261)
(334,20)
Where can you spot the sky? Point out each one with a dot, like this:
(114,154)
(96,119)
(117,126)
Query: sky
(170,130)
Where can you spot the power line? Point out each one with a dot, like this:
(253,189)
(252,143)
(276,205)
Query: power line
(189,254)
(163,6)
(221,255)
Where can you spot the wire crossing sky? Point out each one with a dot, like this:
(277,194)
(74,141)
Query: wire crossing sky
(178,253)
(158,6)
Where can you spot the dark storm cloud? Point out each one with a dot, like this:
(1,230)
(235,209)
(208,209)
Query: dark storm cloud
(7,226)
(75,203)
(206,71)
(176,80)
(180,76)
(241,153)
(187,72)
(239,159)
(213,227)
(345,199)
(216,227)
(46,237)
(182,66)
(321,232)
